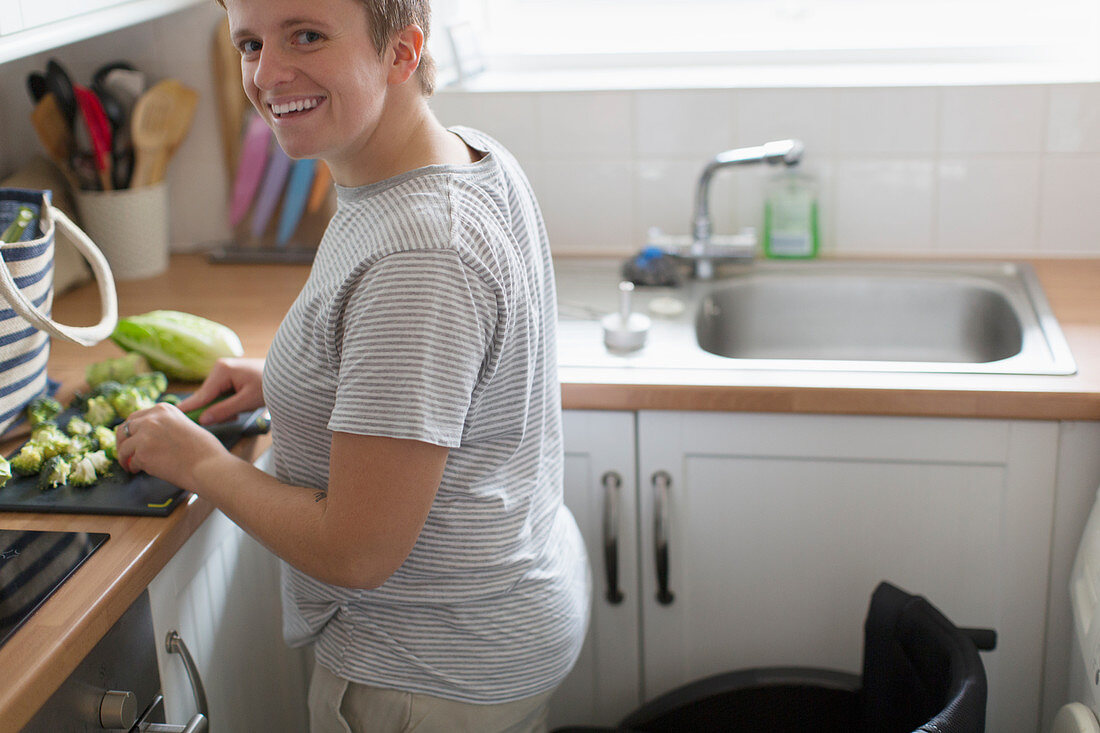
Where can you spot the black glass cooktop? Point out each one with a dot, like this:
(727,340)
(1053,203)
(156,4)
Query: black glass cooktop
(33,565)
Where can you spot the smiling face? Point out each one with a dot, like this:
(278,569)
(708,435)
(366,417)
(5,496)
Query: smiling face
(311,70)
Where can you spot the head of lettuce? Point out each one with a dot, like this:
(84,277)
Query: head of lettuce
(182,345)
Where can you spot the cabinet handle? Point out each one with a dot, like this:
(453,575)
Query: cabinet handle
(175,645)
(662,485)
(612,485)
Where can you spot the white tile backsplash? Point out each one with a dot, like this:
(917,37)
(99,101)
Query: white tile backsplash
(1074,119)
(884,121)
(586,125)
(1011,169)
(684,123)
(884,206)
(992,119)
(1069,217)
(988,204)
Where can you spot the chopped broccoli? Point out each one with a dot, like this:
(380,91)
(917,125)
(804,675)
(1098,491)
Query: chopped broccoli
(81,444)
(100,411)
(106,389)
(43,408)
(49,438)
(100,461)
(151,384)
(169,398)
(117,369)
(5,470)
(107,441)
(78,426)
(54,472)
(129,400)
(28,460)
(82,472)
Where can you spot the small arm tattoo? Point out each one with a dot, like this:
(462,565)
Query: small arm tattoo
(320,496)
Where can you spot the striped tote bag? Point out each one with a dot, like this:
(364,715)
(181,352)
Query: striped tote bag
(26,297)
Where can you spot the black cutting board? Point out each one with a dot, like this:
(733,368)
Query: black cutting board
(121,492)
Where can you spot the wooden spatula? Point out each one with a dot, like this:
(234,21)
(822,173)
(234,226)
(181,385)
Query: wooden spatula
(54,134)
(162,117)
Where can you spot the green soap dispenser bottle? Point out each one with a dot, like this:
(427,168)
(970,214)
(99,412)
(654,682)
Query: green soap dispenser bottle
(790,216)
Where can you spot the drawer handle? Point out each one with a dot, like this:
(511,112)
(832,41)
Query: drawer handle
(612,496)
(662,485)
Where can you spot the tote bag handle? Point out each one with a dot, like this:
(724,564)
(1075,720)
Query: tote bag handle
(83,335)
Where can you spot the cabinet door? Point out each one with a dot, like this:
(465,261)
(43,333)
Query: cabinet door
(221,593)
(600,491)
(779,527)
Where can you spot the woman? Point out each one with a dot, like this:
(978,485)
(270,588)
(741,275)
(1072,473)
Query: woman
(417,497)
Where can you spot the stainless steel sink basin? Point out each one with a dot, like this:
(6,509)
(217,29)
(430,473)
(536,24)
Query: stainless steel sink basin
(872,316)
(863,316)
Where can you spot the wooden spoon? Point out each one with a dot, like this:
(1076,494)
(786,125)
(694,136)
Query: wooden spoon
(54,133)
(162,117)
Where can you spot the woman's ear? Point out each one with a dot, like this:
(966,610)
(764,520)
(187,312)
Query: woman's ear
(407,45)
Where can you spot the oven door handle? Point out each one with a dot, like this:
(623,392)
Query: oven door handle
(174,644)
(197,724)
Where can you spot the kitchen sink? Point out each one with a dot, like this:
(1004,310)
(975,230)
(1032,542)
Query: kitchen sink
(863,316)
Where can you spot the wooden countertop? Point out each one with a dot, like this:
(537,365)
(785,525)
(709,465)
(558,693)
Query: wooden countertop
(252,300)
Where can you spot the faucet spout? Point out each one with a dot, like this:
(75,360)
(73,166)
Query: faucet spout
(786,152)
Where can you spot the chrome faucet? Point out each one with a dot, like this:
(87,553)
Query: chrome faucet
(787,152)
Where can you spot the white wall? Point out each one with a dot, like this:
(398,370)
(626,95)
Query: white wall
(940,170)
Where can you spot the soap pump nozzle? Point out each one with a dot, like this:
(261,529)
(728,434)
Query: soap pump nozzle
(625,331)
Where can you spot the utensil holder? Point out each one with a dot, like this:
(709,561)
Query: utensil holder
(130,226)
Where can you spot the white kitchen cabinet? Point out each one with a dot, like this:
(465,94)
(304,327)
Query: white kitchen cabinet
(780,526)
(11,16)
(33,26)
(600,491)
(221,593)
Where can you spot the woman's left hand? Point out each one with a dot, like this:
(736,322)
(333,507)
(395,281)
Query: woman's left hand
(164,442)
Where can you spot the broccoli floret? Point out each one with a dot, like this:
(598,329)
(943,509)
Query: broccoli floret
(5,470)
(169,398)
(28,461)
(50,440)
(129,400)
(55,472)
(43,408)
(151,384)
(100,411)
(78,426)
(100,462)
(106,389)
(81,444)
(107,441)
(82,472)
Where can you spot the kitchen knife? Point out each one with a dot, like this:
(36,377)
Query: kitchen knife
(99,128)
(250,169)
(278,167)
(294,201)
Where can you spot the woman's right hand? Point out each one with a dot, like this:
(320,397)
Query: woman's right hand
(240,379)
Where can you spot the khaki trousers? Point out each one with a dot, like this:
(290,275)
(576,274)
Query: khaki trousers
(339,706)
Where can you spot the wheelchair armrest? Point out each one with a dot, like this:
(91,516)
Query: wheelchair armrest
(732,694)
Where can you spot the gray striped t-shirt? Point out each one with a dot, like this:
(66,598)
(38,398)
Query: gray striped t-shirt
(430,315)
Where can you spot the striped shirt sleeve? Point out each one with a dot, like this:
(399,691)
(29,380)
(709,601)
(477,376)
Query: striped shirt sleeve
(413,336)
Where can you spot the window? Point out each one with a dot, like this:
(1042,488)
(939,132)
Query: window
(612,33)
